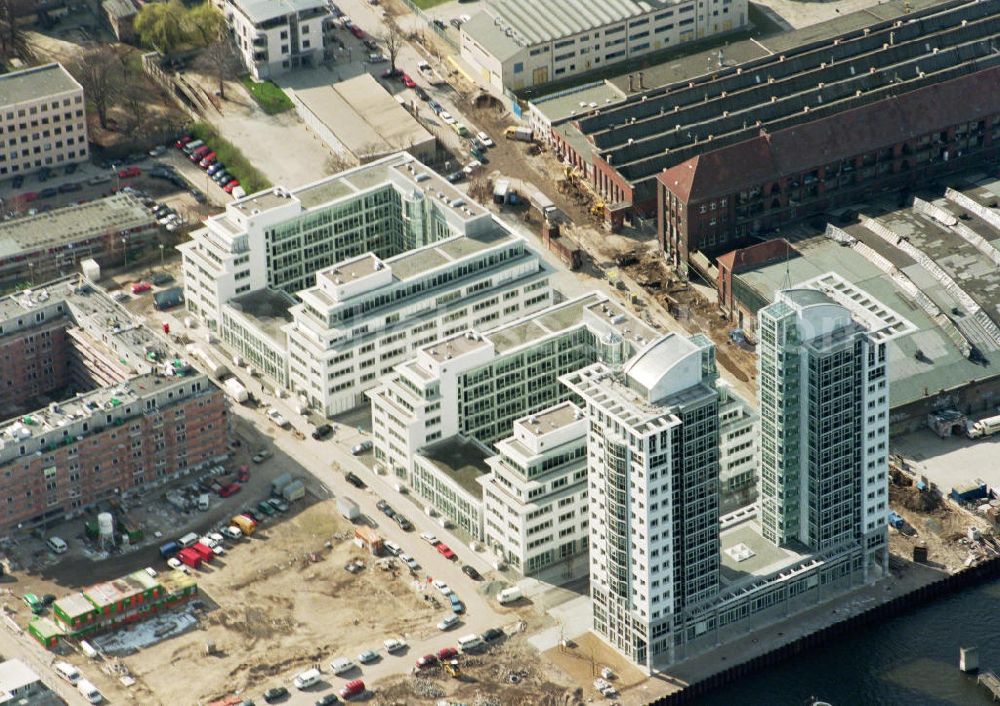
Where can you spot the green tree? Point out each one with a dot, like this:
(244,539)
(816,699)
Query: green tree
(205,24)
(163,25)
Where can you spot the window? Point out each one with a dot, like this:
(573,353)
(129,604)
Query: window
(518,67)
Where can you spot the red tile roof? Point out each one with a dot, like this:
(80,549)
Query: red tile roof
(796,149)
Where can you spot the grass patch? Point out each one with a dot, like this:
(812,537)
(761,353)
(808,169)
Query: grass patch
(427,4)
(269,96)
(251,178)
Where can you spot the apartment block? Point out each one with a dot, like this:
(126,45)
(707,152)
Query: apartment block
(96,405)
(515,44)
(43,120)
(328,287)
(276,36)
(49,245)
(824,408)
(653,476)
(738,448)
(535,497)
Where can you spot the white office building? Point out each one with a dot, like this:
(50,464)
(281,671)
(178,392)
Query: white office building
(324,288)
(653,457)
(824,419)
(366,315)
(535,497)
(738,430)
(276,36)
(519,44)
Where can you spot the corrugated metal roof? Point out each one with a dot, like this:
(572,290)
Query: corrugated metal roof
(564,18)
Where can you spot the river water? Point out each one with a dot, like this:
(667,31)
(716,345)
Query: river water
(911,659)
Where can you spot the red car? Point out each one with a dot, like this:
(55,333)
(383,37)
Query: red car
(228,188)
(207,161)
(140,287)
(243,474)
(29,196)
(426,661)
(352,688)
(407,81)
(358,32)
(129,172)
(447,653)
(231,489)
(445,551)
(183,141)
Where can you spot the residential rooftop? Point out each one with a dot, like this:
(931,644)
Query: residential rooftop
(55,228)
(460,459)
(35,83)
(258,11)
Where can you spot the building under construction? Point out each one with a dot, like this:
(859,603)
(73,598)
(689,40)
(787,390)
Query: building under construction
(111,604)
(773,135)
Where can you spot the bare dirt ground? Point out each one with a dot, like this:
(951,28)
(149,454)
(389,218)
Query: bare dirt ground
(508,674)
(583,660)
(283,602)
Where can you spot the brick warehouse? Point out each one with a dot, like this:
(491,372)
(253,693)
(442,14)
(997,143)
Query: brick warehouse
(96,405)
(624,147)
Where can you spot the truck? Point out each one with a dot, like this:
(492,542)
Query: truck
(279,483)
(235,389)
(984,427)
(169,549)
(519,133)
(204,551)
(294,491)
(348,508)
(190,557)
(246,525)
(213,367)
(542,202)
(500,191)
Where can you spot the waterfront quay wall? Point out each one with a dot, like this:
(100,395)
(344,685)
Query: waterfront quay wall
(905,603)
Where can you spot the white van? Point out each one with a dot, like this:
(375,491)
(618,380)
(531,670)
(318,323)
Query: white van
(341,665)
(509,595)
(188,540)
(57,545)
(89,691)
(469,642)
(306,679)
(67,671)
(203,502)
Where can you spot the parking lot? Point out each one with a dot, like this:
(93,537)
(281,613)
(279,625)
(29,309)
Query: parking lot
(952,461)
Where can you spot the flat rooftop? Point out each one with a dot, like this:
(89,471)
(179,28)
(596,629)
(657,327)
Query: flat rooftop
(363,116)
(551,419)
(566,105)
(747,556)
(61,226)
(415,263)
(15,675)
(75,604)
(463,460)
(258,11)
(927,353)
(120,589)
(268,308)
(563,18)
(35,83)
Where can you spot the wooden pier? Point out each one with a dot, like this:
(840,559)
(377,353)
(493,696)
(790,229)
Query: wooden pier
(992,683)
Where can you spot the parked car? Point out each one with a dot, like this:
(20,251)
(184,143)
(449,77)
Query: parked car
(361,448)
(243,474)
(327,700)
(409,561)
(57,545)
(140,287)
(445,551)
(358,32)
(352,688)
(230,490)
(215,168)
(391,547)
(129,172)
(368,656)
(265,507)
(429,538)
(492,634)
(394,644)
(322,431)
(440,25)
(208,160)
(199,196)
(404,524)
(471,573)
(447,653)
(161,278)
(261,456)
(407,81)
(48,193)
(447,117)
(385,508)
(228,188)
(455,177)
(157,151)
(426,661)
(443,588)
(485,139)
(278,504)
(69,187)
(182,141)
(421,93)
(277,417)
(448,622)
(377,58)
(456,604)
(275,694)
(435,106)
(354,480)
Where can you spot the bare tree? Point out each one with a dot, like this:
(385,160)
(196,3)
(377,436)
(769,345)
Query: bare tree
(337,163)
(13,40)
(393,39)
(133,104)
(221,61)
(99,70)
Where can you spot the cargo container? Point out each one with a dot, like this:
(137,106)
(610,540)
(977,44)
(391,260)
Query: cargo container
(294,491)
(279,483)
(500,191)
(235,389)
(204,551)
(190,557)
(348,508)
(169,549)
(245,524)
(521,134)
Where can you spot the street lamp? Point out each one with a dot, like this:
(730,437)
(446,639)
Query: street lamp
(124,253)
(161,256)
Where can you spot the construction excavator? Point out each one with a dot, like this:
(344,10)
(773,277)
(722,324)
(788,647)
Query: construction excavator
(452,668)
